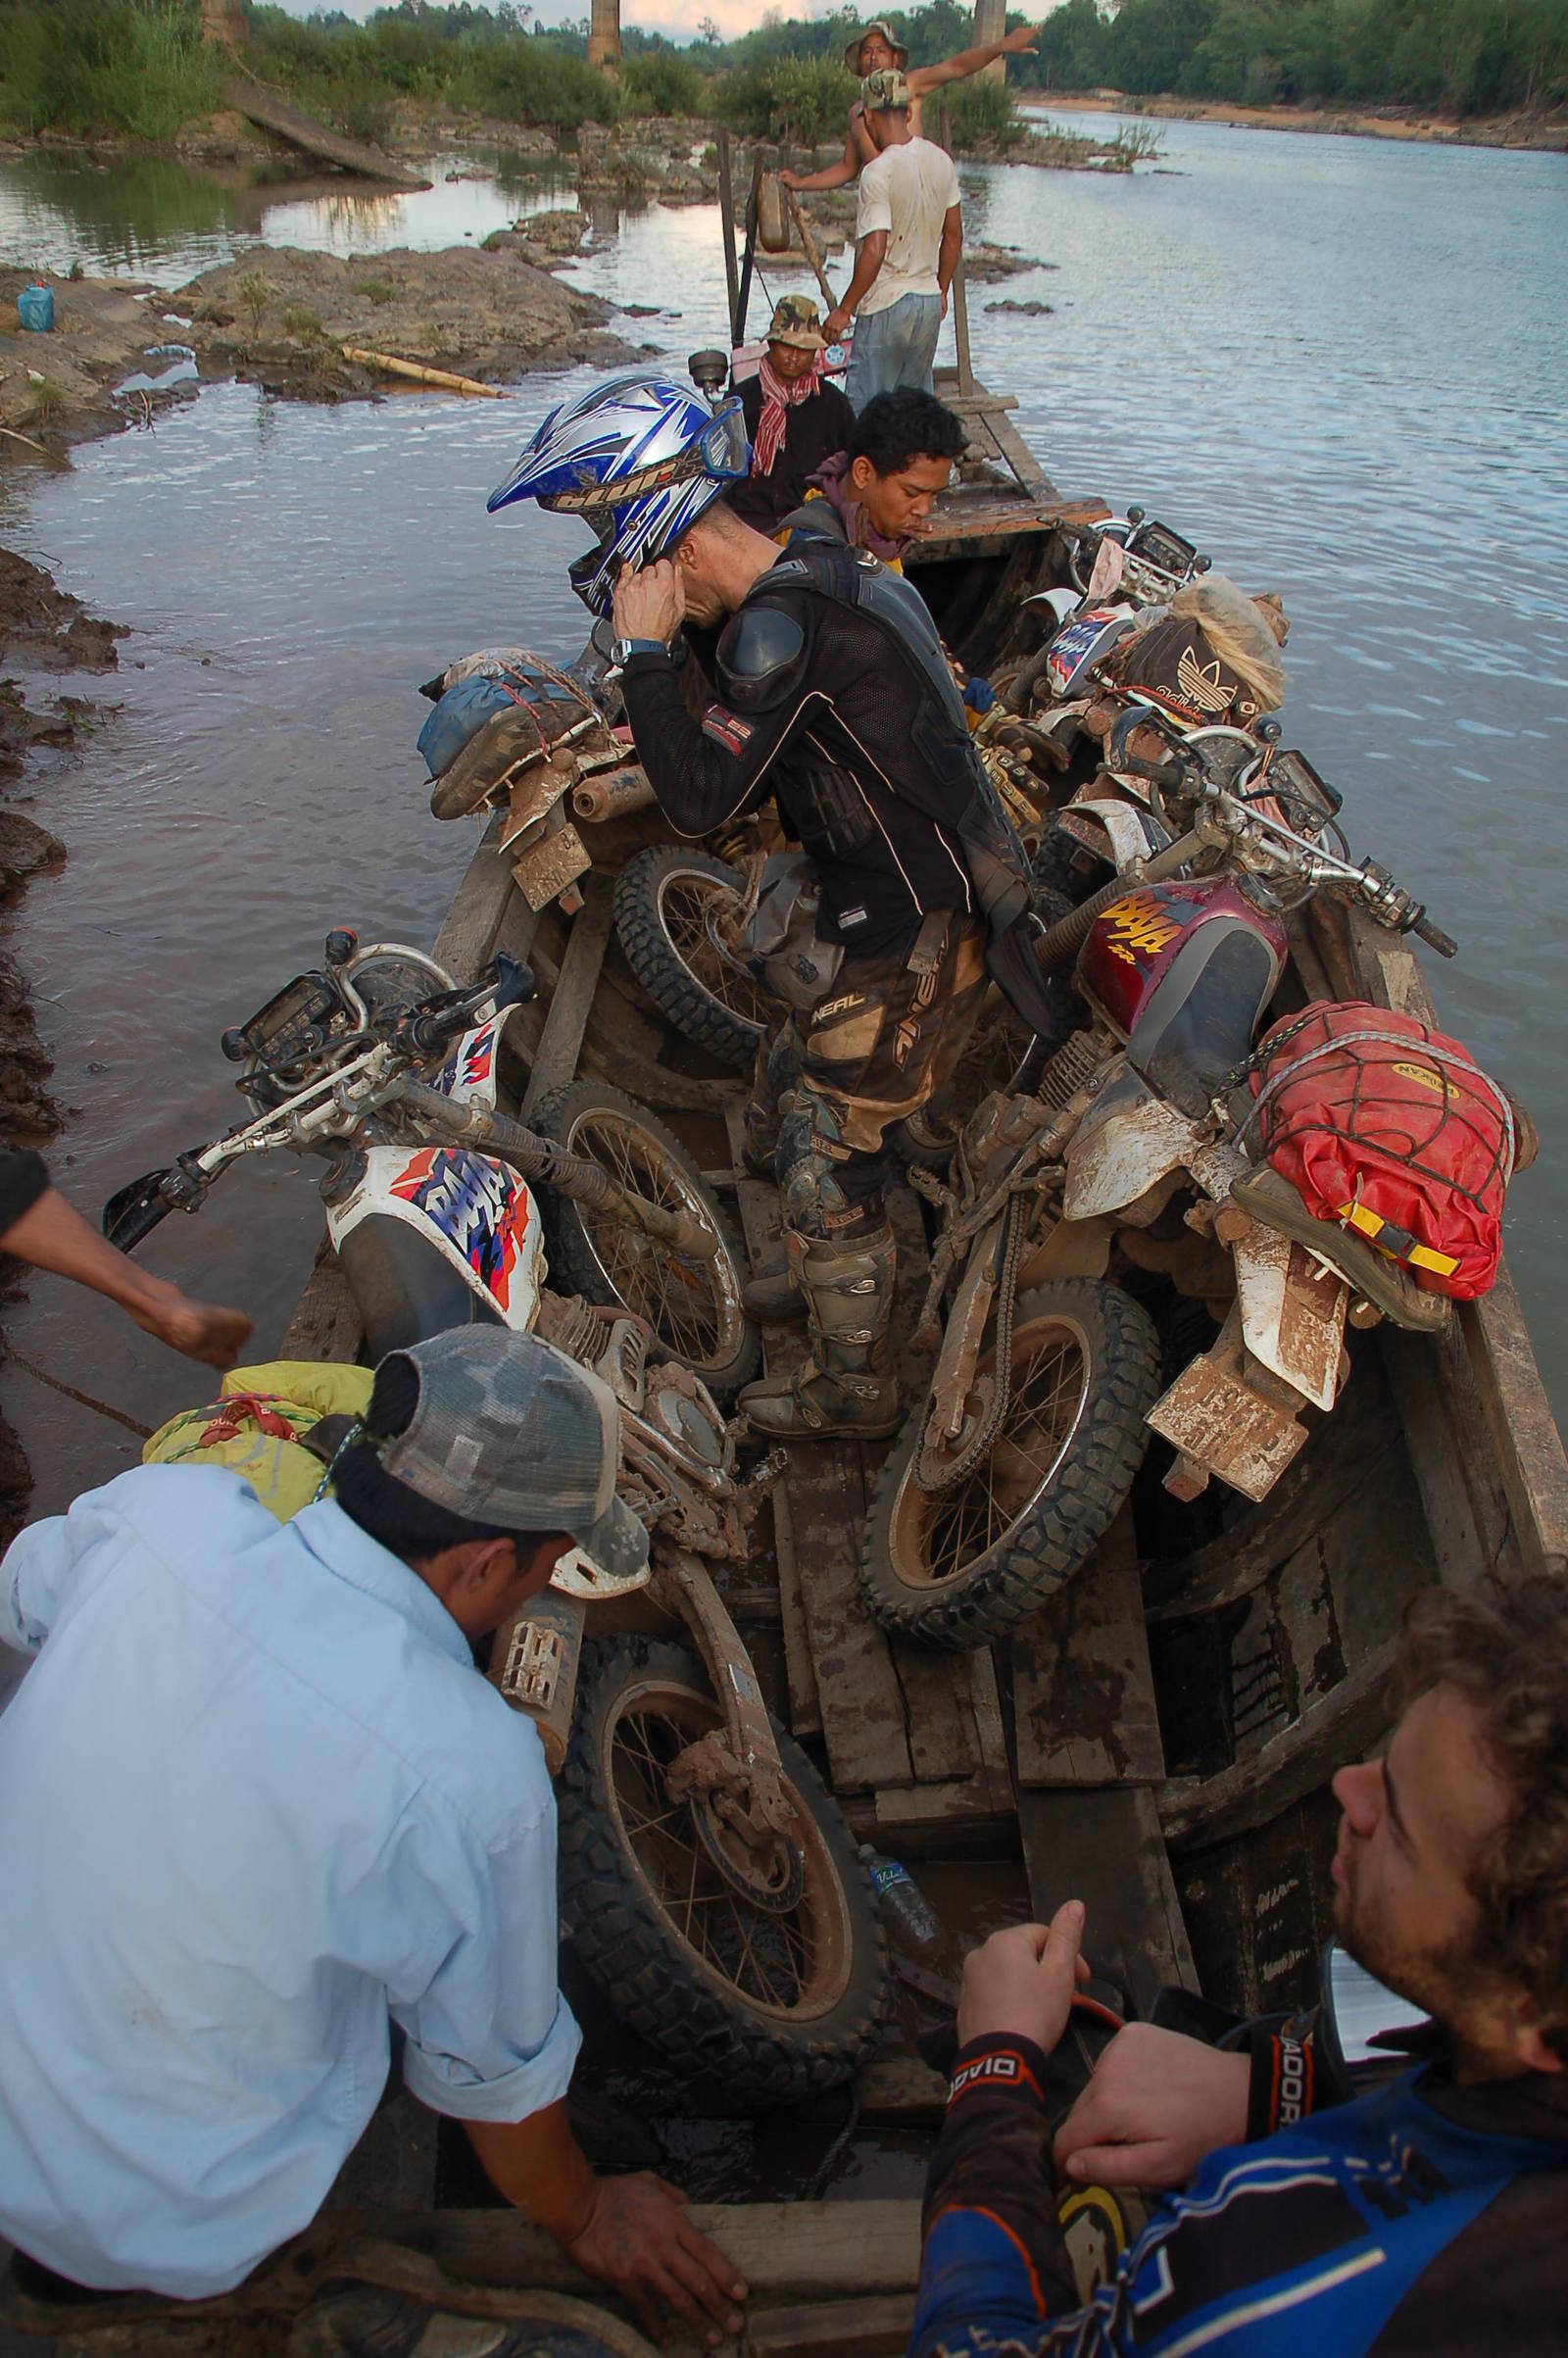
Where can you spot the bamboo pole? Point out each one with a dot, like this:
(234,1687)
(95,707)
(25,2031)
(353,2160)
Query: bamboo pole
(809,244)
(443,379)
(726,213)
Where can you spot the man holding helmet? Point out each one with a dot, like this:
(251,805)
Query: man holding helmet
(834,697)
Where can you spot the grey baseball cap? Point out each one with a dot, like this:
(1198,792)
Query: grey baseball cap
(508,1430)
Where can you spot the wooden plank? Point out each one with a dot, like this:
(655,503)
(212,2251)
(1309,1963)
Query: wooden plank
(326,1323)
(762,1229)
(556,1061)
(805,1709)
(468,936)
(1341,1726)
(303,131)
(1104,1846)
(877,2325)
(939,1811)
(827,2250)
(1519,1418)
(1082,1688)
(900,2090)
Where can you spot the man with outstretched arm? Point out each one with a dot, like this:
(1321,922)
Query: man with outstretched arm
(1420,2219)
(264,1810)
(872,52)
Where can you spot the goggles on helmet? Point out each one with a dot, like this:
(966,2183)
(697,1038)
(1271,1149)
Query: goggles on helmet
(721,453)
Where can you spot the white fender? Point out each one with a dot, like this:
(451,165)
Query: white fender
(1115,1161)
(478,1216)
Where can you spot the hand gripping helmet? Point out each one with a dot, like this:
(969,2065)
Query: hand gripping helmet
(640,459)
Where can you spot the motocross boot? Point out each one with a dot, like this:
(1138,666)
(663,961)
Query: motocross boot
(846,1391)
(776,1298)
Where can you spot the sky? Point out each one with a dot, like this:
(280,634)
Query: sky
(678,19)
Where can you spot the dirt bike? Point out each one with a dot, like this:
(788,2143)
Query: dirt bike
(708,1879)
(1047,1382)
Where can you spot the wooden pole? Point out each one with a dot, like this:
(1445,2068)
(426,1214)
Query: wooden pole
(726,209)
(961,297)
(990,23)
(603,33)
(808,243)
(749,253)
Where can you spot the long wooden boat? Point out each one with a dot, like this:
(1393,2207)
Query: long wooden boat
(1156,1741)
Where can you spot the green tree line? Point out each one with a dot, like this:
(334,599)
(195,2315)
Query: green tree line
(138,67)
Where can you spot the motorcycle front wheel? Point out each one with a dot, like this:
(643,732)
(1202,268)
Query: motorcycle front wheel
(959,1567)
(694,1307)
(774,2005)
(669,902)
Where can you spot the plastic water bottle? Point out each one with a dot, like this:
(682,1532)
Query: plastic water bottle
(35,307)
(909,1912)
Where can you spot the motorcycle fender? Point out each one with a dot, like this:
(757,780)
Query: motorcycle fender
(477,1215)
(1135,1141)
(1293,1311)
(1129,833)
(1073,1249)
(1221,1418)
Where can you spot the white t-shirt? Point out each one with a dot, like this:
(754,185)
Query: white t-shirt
(908,192)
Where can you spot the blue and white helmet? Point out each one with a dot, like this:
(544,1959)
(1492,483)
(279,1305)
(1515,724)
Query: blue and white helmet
(640,457)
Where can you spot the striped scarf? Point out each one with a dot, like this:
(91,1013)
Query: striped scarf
(778,399)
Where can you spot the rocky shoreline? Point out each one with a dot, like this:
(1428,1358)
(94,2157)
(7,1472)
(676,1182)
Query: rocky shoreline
(42,629)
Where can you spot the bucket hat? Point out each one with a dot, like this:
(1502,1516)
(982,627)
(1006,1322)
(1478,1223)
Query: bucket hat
(797,321)
(852,54)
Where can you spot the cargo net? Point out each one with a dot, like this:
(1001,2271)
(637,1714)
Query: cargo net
(1387,1127)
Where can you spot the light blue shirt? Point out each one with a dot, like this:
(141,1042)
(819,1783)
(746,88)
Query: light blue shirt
(254,1801)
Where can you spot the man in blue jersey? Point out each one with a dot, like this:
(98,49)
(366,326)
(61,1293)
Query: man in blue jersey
(1424,2218)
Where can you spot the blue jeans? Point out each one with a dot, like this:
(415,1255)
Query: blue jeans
(894,347)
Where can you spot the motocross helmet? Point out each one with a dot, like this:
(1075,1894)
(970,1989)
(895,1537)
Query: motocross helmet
(640,459)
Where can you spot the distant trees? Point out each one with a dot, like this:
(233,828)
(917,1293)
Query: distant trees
(1469,56)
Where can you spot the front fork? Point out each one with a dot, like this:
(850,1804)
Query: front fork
(732,1776)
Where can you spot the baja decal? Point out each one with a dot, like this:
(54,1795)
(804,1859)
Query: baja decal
(727,727)
(1140,926)
(474,1205)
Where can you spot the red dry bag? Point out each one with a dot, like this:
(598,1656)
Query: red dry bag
(1390,1128)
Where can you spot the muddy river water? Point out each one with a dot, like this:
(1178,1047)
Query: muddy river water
(1338,364)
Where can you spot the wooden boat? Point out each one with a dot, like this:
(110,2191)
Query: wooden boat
(1157,1739)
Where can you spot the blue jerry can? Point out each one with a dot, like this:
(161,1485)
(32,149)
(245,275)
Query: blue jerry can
(35,307)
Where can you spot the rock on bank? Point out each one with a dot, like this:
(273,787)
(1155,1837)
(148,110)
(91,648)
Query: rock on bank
(281,315)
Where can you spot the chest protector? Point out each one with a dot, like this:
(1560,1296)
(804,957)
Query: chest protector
(767,646)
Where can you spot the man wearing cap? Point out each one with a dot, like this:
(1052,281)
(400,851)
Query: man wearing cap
(794,422)
(909,235)
(877,47)
(263,1808)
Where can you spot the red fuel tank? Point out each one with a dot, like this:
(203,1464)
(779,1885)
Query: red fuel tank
(1133,945)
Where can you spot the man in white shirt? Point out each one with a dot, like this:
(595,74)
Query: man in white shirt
(909,235)
(261,1807)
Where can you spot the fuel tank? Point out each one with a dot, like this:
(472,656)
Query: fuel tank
(1183,972)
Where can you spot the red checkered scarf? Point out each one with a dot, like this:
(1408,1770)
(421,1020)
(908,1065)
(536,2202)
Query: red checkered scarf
(778,398)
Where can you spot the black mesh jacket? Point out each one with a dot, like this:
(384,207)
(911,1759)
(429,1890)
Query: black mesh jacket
(816,706)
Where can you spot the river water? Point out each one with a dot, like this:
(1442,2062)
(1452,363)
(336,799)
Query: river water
(1337,363)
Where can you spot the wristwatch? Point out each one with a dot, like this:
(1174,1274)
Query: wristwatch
(622,650)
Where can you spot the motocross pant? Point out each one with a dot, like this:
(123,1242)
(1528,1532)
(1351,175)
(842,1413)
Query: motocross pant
(832,1084)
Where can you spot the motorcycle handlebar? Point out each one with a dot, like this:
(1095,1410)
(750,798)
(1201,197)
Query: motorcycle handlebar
(125,1230)
(1435,938)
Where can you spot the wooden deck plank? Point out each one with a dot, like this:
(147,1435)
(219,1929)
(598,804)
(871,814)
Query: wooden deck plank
(872,2325)
(466,938)
(1083,1690)
(799,1673)
(555,1061)
(1104,1846)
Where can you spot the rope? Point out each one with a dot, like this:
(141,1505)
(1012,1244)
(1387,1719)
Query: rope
(83,1400)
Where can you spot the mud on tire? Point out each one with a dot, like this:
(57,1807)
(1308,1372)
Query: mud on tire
(1085,1374)
(825,1964)
(694,1307)
(661,899)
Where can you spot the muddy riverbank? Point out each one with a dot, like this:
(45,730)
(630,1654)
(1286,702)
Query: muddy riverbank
(42,631)
(1542,131)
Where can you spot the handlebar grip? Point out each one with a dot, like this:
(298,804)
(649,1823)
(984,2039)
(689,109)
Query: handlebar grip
(1435,938)
(125,1230)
